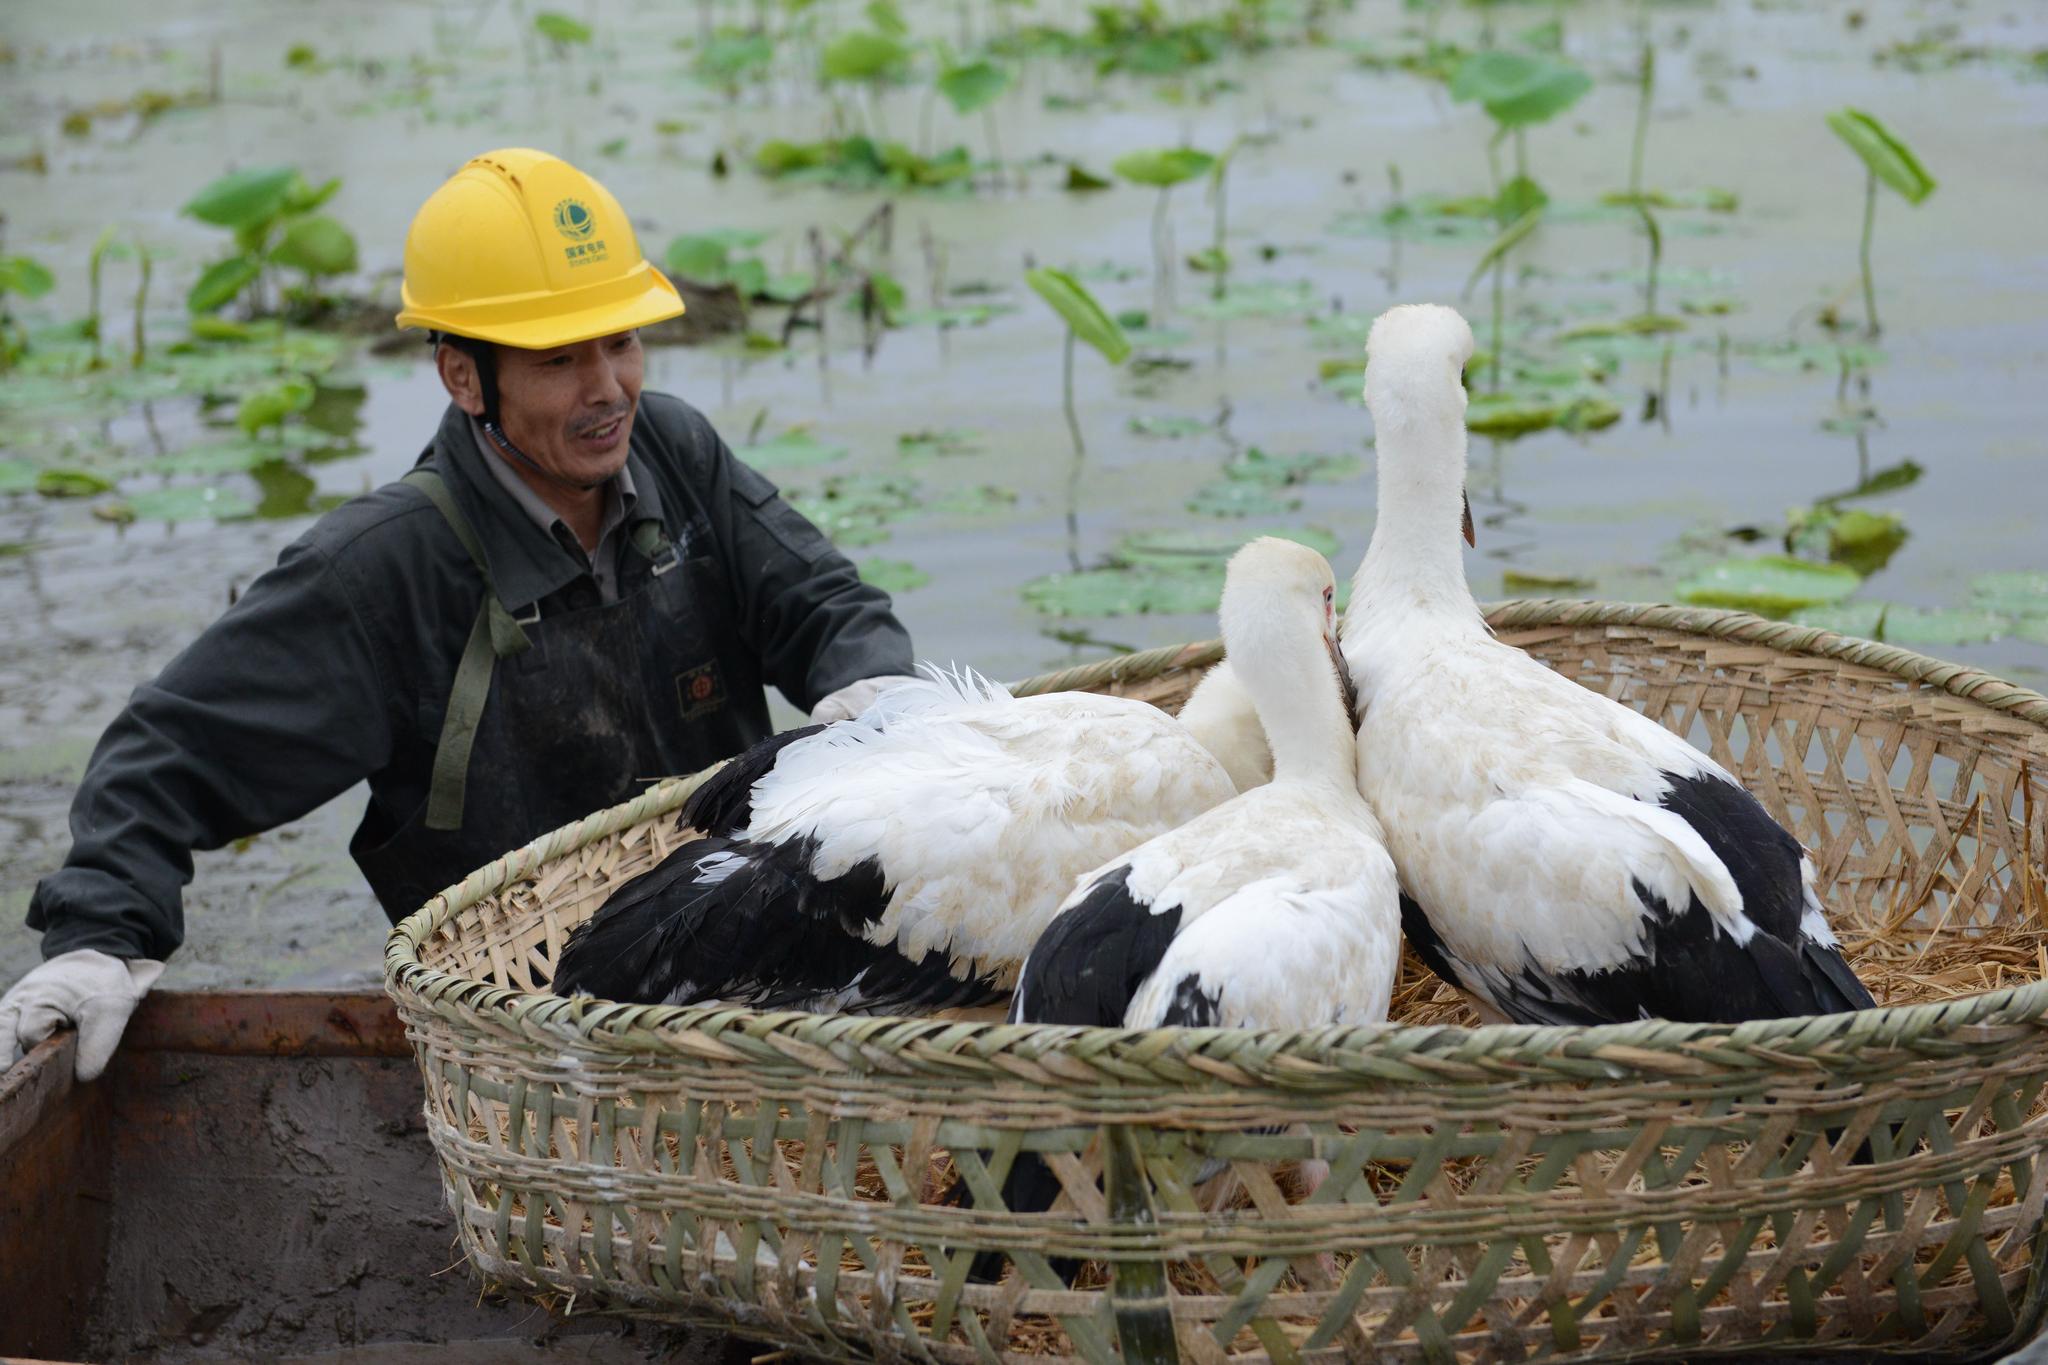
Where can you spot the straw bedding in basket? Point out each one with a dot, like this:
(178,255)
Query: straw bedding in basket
(1496,1193)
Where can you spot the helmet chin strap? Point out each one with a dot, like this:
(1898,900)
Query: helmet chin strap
(504,443)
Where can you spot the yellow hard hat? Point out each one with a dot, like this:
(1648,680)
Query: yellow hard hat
(521,248)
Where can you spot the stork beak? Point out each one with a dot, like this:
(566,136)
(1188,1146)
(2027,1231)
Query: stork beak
(1470,539)
(1344,682)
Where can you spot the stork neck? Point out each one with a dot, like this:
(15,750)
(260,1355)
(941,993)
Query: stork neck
(1416,560)
(1293,685)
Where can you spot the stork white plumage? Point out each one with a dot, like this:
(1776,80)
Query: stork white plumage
(903,860)
(1568,859)
(1277,909)
(1223,711)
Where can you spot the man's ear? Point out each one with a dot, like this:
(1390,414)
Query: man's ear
(458,375)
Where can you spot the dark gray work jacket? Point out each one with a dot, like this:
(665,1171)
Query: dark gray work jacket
(337,666)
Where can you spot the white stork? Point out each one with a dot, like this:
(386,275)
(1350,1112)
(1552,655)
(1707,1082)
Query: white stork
(1568,859)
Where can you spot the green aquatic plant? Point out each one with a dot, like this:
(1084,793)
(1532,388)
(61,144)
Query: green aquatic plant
(1518,90)
(1142,39)
(858,509)
(1914,627)
(1635,198)
(1864,541)
(108,247)
(864,56)
(1885,158)
(1162,169)
(95,262)
(268,409)
(1155,573)
(732,56)
(273,214)
(1512,414)
(1255,483)
(142,273)
(1770,585)
(861,163)
(1215,258)
(973,88)
(72,483)
(1646,88)
(938,442)
(724,256)
(892,575)
(21,277)
(1530,583)
(796,448)
(561,31)
(869,59)
(1495,258)
(1086,322)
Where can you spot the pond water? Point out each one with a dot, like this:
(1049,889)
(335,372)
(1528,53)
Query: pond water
(939,456)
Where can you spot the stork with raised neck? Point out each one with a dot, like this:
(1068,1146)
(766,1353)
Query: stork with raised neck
(1565,859)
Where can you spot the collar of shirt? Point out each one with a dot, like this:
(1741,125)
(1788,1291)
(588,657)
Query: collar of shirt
(526,562)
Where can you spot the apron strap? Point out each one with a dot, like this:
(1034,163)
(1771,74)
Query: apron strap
(495,635)
(650,538)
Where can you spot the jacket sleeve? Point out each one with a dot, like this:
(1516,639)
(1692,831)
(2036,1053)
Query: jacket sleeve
(277,707)
(808,616)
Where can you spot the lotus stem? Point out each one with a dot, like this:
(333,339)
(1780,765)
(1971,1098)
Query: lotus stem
(141,306)
(1645,82)
(1656,237)
(1222,259)
(1080,454)
(92,306)
(1500,268)
(1160,261)
(1871,327)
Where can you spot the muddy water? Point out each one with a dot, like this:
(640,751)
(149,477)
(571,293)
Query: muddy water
(1717,437)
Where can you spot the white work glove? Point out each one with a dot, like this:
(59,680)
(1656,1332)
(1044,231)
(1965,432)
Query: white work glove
(854,698)
(87,988)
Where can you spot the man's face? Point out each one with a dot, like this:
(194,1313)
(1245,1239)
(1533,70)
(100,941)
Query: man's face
(571,408)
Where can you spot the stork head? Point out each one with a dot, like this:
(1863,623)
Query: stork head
(1415,362)
(1279,621)
(1414,385)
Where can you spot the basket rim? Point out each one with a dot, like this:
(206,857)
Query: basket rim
(1288,1059)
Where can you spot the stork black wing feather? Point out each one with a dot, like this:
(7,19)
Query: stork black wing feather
(724,803)
(1688,967)
(1092,958)
(625,949)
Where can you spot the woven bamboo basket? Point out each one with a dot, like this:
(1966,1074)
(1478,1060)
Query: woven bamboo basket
(1863,1181)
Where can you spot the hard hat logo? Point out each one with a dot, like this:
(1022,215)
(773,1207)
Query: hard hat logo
(574,220)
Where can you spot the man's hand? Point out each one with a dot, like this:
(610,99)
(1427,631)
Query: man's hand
(87,988)
(854,698)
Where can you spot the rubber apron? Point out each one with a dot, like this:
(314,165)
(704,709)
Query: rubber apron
(553,717)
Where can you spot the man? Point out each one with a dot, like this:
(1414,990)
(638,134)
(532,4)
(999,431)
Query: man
(576,590)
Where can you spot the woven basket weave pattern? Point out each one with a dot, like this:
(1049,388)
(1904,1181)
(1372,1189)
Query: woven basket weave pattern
(1500,1193)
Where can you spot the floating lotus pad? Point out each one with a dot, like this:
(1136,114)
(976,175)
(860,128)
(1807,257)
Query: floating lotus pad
(1771,584)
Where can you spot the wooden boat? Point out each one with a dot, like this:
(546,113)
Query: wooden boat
(251,1180)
